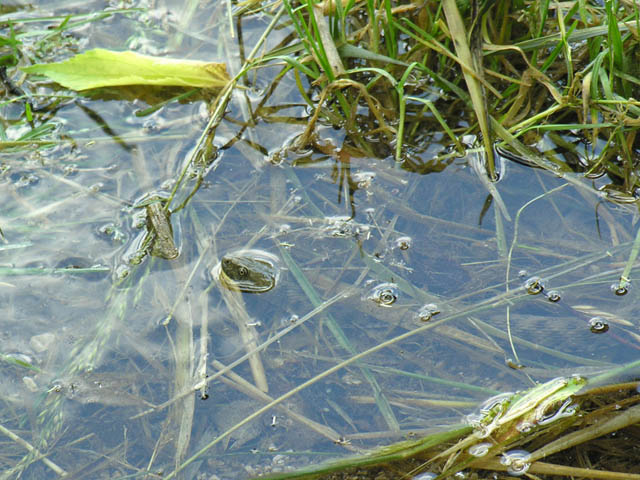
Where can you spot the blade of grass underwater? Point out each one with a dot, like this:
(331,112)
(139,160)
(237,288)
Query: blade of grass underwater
(228,368)
(539,348)
(440,381)
(629,370)
(182,414)
(14,271)
(341,338)
(40,456)
(439,118)
(635,249)
(203,143)
(510,256)
(329,371)
(246,387)
(395,452)
(618,421)
(472,70)
(84,356)
(103,68)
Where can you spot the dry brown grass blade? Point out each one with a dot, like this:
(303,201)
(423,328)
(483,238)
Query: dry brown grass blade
(335,62)
(472,71)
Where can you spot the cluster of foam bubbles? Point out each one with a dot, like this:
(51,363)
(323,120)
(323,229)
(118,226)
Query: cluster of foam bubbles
(344,227)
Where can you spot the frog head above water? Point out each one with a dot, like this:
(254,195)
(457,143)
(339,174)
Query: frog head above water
(252,271)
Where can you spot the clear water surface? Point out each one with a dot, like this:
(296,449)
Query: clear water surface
(109,355)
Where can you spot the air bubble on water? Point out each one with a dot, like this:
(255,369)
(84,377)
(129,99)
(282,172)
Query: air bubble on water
(425,476)
(122,272)
(553,296)
(534,285)
(112,231)
(621,288)
(70,169)
(479,449)
(598,325)
(26,180)
(427,312)
(523,274)
(384,294)
(404,243)
(96,187)
(284,228)
(516,461)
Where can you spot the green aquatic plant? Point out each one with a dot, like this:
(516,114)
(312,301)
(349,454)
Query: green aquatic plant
(536,432)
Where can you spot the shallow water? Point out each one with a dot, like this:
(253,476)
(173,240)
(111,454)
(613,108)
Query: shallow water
(110,342)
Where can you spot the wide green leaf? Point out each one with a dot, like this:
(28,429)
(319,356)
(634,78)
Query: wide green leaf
(105,68)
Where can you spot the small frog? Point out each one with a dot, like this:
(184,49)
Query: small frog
(507,415)
(158,222)
(252,271)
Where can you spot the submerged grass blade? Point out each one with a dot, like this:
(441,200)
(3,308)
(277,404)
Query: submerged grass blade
(385,455)
(626,273)
(343,341)
(621,420)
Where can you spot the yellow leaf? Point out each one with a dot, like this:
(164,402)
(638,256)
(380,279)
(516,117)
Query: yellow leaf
(106,68)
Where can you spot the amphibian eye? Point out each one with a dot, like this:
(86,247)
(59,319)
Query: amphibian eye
(243,272)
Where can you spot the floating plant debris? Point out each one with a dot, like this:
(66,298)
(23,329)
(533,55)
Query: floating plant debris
(534,285)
